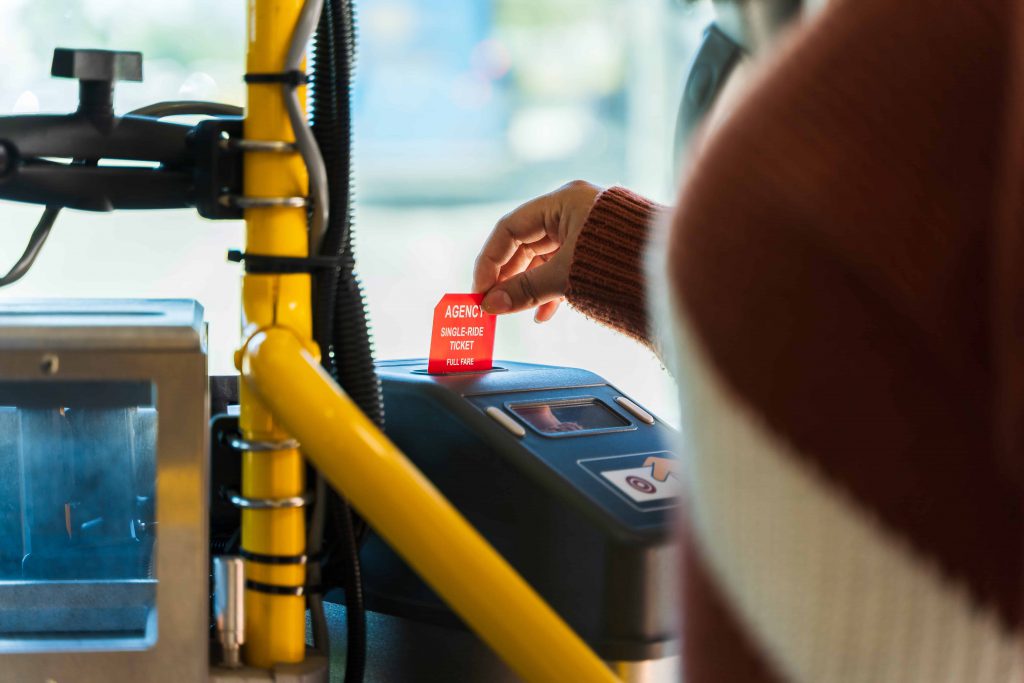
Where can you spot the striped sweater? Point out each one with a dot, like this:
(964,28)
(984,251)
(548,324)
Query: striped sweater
(841,288)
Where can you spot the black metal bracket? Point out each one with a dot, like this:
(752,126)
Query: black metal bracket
(182,166)
(218,170)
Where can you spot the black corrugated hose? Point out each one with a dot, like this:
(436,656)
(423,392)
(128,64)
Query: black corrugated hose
(340,325)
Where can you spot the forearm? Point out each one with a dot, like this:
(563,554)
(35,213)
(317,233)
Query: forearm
(606,280)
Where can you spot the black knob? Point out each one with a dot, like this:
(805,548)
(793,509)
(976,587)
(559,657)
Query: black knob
(97,71)
(97,65)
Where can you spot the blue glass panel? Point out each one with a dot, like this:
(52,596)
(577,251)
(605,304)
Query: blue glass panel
(77,515)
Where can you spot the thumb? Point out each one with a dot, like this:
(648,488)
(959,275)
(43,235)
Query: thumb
(528,289)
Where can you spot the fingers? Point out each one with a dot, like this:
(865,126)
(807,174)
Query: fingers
(546,312)
(527,256)
(507,268)
(518,264)
(533,287)
(525,225)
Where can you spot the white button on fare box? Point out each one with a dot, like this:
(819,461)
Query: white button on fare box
(641,486)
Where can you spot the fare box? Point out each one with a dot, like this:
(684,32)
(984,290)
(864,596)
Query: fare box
(463,335)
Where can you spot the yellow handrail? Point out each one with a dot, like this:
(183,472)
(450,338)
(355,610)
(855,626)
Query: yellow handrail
(412,516)
(275,624)
(286,393)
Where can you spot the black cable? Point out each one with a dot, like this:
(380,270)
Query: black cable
(318,617)
(35,245)
(340,316)
(38,237)
(352,343)
(160,110)
(49,217)
(355,609)
(327,129)
(342,329)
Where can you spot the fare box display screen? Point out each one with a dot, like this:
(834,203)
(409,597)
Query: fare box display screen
(574,416)
(462,339)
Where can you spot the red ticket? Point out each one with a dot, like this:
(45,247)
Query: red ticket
(463,335)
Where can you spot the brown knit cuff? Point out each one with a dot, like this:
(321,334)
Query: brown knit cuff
(606,280)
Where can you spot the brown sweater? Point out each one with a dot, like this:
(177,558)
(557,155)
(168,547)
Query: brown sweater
(847,268)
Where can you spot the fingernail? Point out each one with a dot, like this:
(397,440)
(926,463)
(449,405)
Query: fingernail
(497,302)
(537,319)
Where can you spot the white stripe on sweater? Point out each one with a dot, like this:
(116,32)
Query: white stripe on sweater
(828,592)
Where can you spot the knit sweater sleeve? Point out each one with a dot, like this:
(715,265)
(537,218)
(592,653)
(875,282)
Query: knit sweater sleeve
(606,280)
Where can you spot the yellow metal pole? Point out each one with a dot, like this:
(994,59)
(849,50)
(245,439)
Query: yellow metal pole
(275,624)
(412,516)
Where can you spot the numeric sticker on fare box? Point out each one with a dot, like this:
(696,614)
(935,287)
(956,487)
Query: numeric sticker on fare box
(463,335)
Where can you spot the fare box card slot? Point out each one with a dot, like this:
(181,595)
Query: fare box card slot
(463,335)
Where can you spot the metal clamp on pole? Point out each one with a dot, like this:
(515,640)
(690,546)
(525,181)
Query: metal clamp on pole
(240,202)
(285,503)
(229,144)
(240,444)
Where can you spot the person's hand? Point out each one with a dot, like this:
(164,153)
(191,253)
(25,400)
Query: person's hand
(525,261)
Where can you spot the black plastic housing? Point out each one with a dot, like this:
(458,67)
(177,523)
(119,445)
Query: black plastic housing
(188,166)
(607,567)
